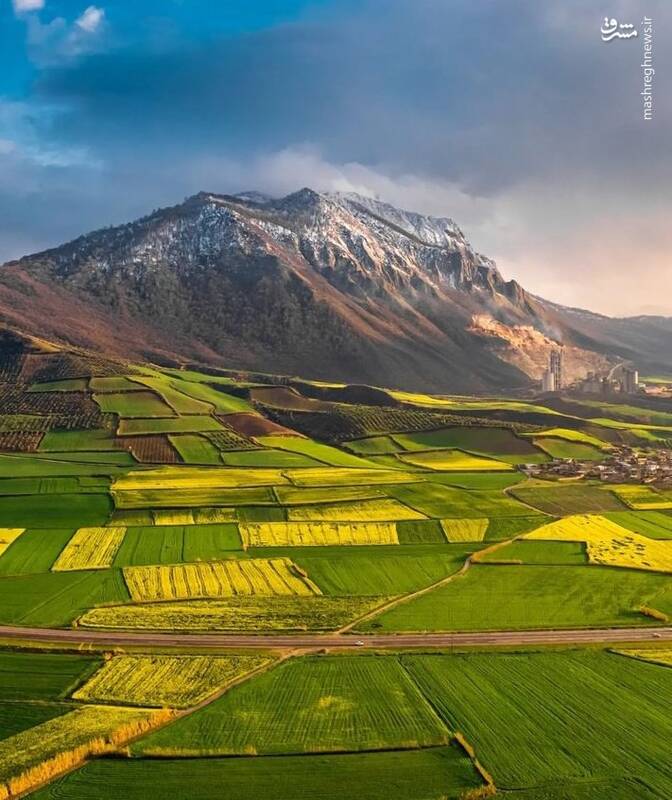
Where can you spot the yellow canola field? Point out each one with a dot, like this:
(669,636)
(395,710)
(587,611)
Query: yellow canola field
(663,657)
(308,534)
(382,510)
(168,681)
(90,548)
(7,536)
(642,498)
(229,578)
(316,477)
(38,754)
(464,530)
(173,516)
(454,461)
(184,477)
(608,543)
(209,516)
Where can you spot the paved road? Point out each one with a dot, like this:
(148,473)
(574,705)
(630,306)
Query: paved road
(312,641)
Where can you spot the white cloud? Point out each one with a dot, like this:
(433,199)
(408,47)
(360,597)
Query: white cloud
(22,6)
(91,19)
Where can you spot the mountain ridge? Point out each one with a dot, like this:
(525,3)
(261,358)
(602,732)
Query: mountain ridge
(334,285)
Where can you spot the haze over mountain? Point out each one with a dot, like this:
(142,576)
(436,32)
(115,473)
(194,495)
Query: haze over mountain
(331,286)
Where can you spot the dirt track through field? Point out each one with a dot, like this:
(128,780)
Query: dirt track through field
(316,641)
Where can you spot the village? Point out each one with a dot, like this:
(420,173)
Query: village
(623,464)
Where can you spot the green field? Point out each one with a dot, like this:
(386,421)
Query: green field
(191,424)
(266,458)
(378,570)
(503,597)
(173,395)
(172,544)
(55,510)
(561,499)
(194,449)
(539,552)
(27,676)
(438,500)
(58,598)
(133,404)
(64,441)
(439,773)
(34,551)
(319,452)
(488,441)
(561,448)
(549,719)
(654,524)
(313,705)
(16,717)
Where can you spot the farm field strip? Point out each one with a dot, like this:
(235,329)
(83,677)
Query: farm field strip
(655,524)
(289,534)
(90,548)
(346,476)
(464,530)
(169,424)
(535,719)
(229,578)
(172,544)
(135,499)
(190,477)
(8,536)
(436,773)
(642,498)
(288,613)
(131,405)
(511,597)
(326,704)
(383,510)
(455,461)
(164,681)
(177,400)
(42,752)
(568,499)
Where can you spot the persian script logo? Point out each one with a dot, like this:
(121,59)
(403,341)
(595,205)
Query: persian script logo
(612,29)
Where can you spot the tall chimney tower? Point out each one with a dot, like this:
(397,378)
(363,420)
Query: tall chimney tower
(555,368)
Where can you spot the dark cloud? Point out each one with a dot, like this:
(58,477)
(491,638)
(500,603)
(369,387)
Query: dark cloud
(483,93)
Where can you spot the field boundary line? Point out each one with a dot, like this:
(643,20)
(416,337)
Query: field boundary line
(472,558)
(174,717)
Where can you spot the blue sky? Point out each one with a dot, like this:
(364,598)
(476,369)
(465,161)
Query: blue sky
(511,116)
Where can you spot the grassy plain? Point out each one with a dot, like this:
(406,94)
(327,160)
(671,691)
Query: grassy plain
(570,498)
(548,719)
(171,544)
(56,599)
(323,704)
(503,597)
(343,571)
(438,773)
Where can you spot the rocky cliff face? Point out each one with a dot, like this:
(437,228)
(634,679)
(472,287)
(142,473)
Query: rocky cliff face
(333,286)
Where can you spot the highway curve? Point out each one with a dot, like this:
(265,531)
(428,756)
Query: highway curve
(316,641)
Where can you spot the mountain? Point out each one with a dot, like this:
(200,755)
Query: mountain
(331,286)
